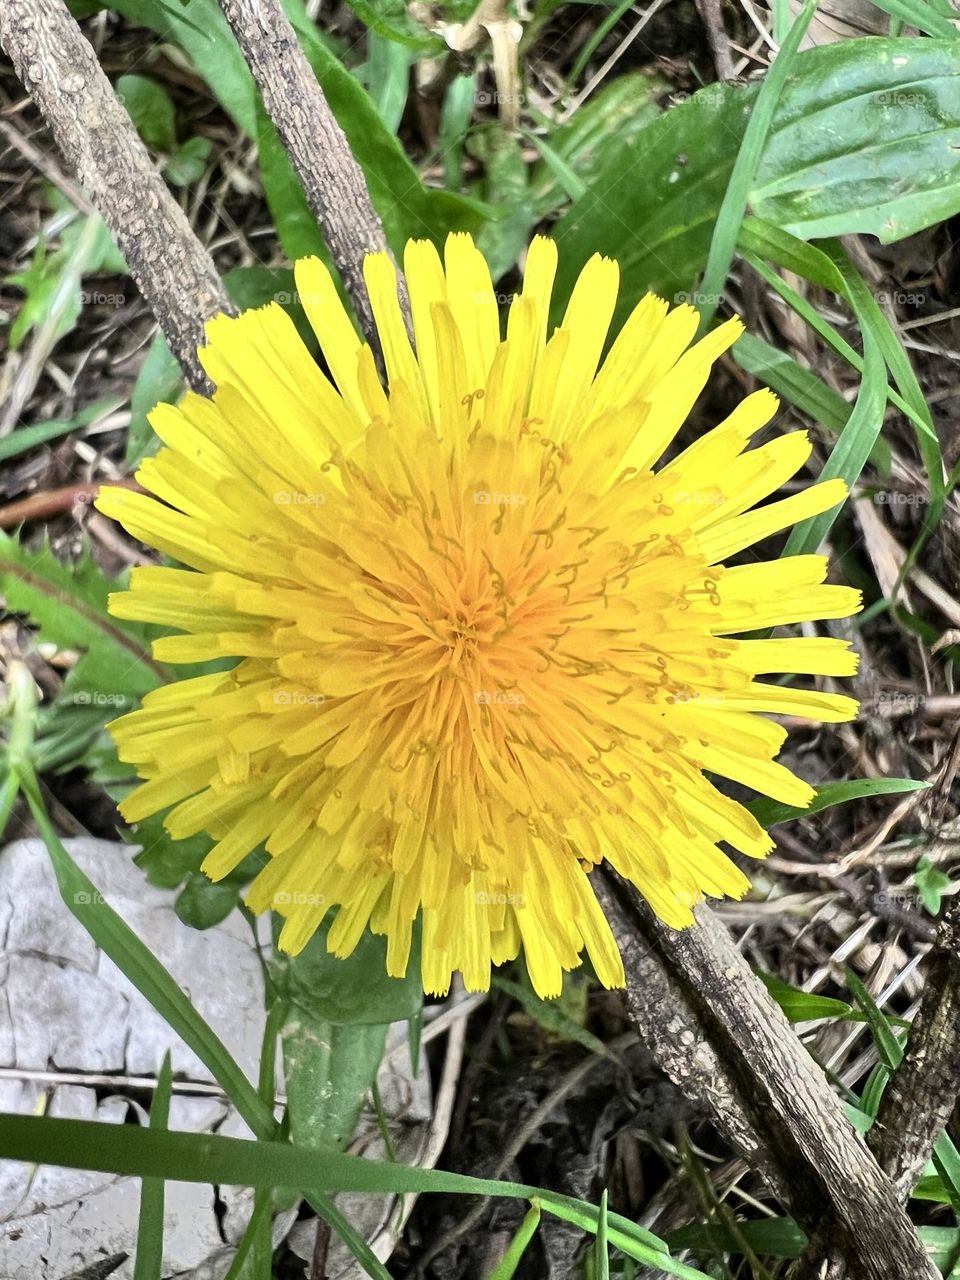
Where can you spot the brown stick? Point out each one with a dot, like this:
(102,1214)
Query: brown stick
(721,1038)
(55,502)
(922,1093)
(331,178)
(61,73)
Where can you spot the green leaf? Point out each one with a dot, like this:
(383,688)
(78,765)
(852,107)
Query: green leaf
(25,438)
(743,175)
(326,988)
(851,452)
(203,903)
(773,1237)
(553,1015)
(328,1069)
(769,812)
(150,108)
(189,162)
(801,1006)
(800,386)
(134,959)
(890,1048)
(601,1254)
(68,605)
(388,77)
(931,884)
(455,115)
(575,153)
(865,138)
(160,381)
(149,1263)
(504,187)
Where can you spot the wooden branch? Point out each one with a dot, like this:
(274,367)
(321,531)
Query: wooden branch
(794,1121)
(172,269)
(331,178)
(920,1097)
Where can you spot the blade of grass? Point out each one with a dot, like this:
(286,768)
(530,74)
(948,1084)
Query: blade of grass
(507,1266)
(601,1252)
(210,1158)
(849,455)
(734,204)
(769,812)
(601,33)
(149,1263)
(117,940)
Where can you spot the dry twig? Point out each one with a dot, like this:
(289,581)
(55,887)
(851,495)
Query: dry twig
(172,269)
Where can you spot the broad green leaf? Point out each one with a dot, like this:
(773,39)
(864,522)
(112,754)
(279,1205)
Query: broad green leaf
(769,812)
(866,137)
(150,108)
(388,77)
(328,1069)
(355,989)
(621,109)
(203,903)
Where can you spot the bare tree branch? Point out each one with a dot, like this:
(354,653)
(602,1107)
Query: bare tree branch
(172,269)
(331,178)
(707,1013)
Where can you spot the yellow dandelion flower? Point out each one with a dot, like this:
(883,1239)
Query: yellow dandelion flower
(483,640)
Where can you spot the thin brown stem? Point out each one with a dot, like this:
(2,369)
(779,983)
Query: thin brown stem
(331,178)
(172,269)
